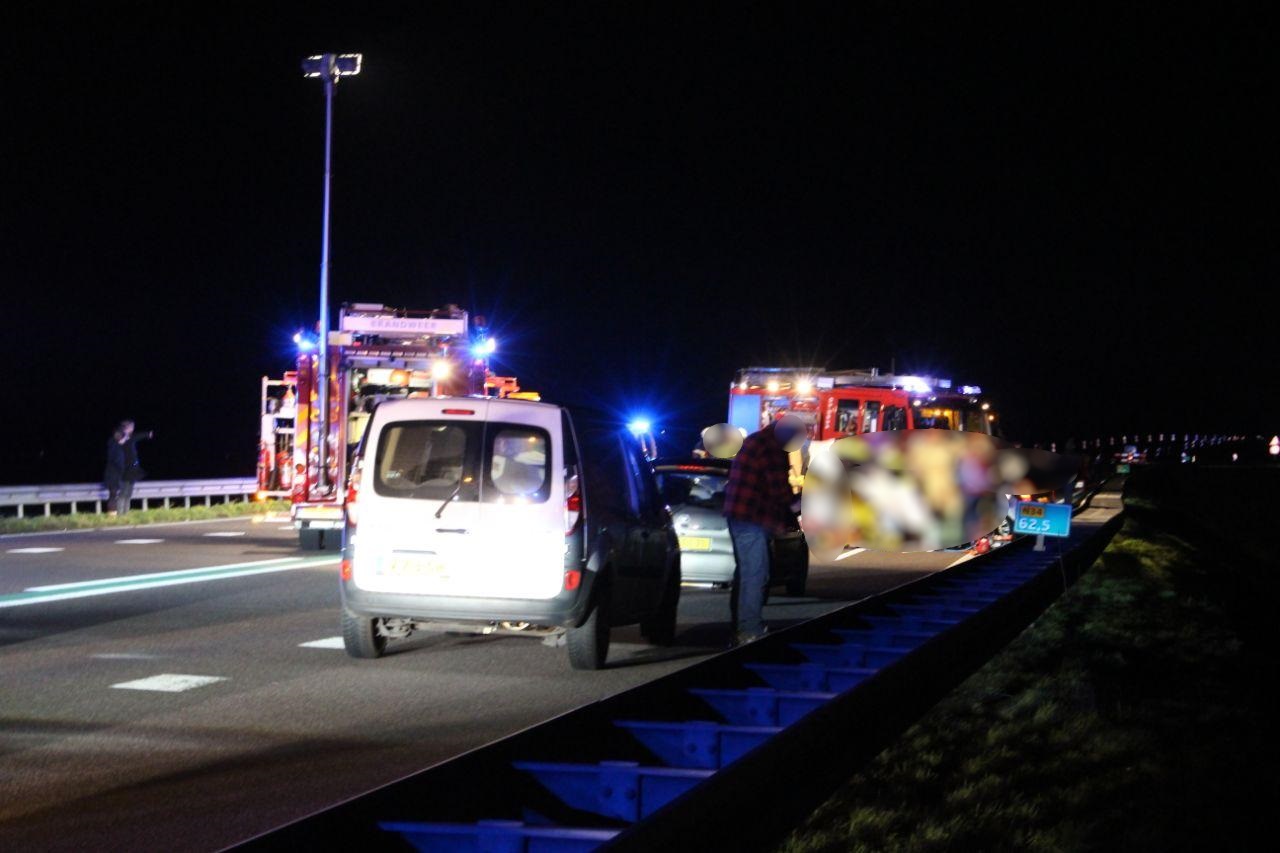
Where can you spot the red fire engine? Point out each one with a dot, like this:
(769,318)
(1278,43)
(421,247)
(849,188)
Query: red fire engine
(278,408)
(836,403)
(377,353)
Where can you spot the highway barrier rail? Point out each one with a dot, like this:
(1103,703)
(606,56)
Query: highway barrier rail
(71,497)
(732,752)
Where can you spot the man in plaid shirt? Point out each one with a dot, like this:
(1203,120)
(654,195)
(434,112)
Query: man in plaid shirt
(759,504)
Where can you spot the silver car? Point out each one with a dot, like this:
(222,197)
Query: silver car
(693,488)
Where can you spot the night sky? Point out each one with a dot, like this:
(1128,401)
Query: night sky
(1078,213)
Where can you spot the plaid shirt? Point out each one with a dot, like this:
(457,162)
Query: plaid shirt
(758,490)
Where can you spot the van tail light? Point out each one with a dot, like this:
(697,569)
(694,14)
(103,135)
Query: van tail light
(572,579)
(572,504)
(353,490)
(346,570)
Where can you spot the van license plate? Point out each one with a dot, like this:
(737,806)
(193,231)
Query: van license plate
(412,566)
(695,543)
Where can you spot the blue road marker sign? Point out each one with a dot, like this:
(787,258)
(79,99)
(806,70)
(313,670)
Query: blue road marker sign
(1042,519)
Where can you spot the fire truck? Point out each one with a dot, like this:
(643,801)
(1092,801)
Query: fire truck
(278,409)
(377,353)
(837,403)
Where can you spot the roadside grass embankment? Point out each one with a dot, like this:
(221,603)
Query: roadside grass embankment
(1133,715)
(88,520)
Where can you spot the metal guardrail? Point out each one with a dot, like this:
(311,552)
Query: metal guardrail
(74,495)
(729,753)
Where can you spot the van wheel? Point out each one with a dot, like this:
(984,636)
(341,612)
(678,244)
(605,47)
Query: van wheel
(589,642)
(360,636)
(660,629)
(310,539)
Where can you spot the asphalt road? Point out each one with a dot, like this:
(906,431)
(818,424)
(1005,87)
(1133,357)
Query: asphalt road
(158,689)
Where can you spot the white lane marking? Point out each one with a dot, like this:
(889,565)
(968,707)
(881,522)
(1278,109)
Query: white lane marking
(226,533)
(125,656)
(850,553)
(965,556)
(177,573)
(138,541)
(213,573)
(169,682)
(326,643)
(34,550)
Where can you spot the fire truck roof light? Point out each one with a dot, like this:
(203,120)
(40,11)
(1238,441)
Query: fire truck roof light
(914,383)
(639,426)
(440,370)
(804,386)
(970,389)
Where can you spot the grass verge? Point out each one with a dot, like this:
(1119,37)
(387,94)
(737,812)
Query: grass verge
(1129,716)
(85,520)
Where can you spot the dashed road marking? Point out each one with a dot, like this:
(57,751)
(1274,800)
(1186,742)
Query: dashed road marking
(326,643)
(124,656)
(169,682)
(226,533)
(34,550)
(138,541)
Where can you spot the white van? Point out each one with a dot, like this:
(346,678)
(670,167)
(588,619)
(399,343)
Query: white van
(495,515)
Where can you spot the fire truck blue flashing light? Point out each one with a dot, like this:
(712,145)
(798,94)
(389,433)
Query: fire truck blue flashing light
(488,346)
(304,344)
(639,426)
(970,389)
(915,384)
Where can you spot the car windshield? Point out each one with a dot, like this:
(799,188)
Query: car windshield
(700,488)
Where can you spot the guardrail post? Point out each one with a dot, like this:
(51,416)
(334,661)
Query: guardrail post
(186,502)
(166,502)
(19,510)
(97,506)
(73,507)
(207,501)
(48,509)
(144,504)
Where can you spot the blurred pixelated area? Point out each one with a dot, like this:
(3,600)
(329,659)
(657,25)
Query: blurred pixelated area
(918,490)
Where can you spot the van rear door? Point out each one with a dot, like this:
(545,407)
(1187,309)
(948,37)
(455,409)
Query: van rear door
(522,512)
(420,502)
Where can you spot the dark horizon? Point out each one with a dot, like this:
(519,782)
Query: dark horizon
(1075,212)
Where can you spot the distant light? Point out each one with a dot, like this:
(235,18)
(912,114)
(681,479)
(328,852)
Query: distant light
(639,426)
(986,406)
(304,344)
(916,402)
(772,386)
(344,64)
(441,369)
(804,386)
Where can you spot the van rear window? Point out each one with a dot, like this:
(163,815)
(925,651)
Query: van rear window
(517,464)
(427,459)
